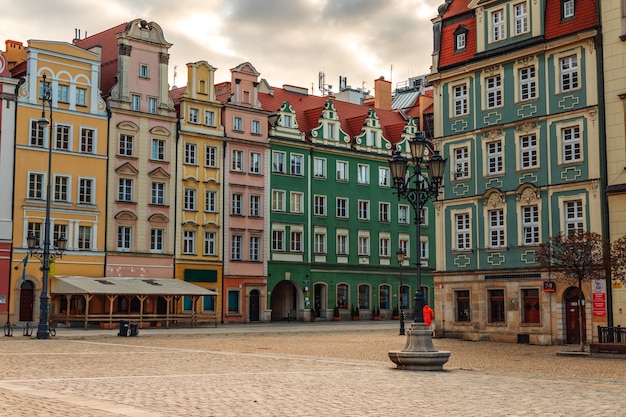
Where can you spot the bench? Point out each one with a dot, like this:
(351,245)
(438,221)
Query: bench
(614,348)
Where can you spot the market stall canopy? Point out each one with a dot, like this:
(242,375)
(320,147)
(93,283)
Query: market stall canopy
(130,286)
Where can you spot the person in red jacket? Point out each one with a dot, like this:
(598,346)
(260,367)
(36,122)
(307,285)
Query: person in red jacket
(429,315)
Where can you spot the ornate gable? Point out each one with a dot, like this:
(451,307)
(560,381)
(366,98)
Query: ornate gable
(328,130)
(371,138)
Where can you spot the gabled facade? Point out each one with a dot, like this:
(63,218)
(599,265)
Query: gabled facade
(79,158)
(199,200)
(142,150)
(517,104)
(245,208)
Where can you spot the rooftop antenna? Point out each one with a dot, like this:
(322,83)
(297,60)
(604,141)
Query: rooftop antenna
(323,87)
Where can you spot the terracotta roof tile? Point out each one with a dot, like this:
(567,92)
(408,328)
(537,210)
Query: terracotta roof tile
(447,55)
(457,7)
(585,17)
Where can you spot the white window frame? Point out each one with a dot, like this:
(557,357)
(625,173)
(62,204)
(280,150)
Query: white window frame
(495,157)
(342,208)
(496,228)
(364,210)
(296,164)
(319,168)
(296,202)
(528,145)
(493,91)
(527,83)
(572,144)
(462,232)
(460,100)
(191,154)
(342,171)
(498,26)
(236,163)
(363,176)
(530,225)
(278,200)
(255,163)
(569,75)
(319,205)
(520,15)
(278,162)
(461,170)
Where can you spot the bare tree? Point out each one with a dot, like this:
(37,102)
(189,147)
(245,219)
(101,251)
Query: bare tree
(575,258)
(618,259)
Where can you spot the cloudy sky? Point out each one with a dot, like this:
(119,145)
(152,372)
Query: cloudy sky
(287,41)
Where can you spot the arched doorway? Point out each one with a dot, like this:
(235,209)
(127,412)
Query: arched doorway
(572,324)
(320,300)
(284,301)
(255,305)
(27,301)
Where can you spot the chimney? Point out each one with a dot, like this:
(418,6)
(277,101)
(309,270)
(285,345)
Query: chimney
(382,94)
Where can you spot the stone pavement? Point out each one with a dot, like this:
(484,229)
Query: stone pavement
(296,369)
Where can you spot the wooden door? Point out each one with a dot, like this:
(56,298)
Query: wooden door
(27,301)
(571,314)
(255,304)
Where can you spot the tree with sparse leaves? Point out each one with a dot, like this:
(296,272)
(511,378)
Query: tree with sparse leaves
(575,258)
(618,260)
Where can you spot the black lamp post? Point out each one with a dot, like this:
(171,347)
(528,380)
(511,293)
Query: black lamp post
(400,255)
(43,252)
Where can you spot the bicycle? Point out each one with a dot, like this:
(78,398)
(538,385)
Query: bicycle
(8,329)
(52,328)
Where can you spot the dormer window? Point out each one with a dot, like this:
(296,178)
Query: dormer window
(567,9)
(460,38)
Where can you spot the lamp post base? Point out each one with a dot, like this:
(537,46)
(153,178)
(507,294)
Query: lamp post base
(419,354)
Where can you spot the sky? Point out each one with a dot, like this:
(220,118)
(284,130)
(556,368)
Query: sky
(287,41)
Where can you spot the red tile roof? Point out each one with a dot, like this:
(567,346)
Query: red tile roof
(447,55)
(585,17)
(457,7)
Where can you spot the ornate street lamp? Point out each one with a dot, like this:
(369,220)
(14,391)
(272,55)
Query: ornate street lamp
(400,256)
(417,189)
(42,252)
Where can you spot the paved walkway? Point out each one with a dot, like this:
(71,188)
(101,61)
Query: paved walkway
(296,369)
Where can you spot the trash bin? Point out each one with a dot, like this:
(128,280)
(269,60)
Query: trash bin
(134,329)
(123,328)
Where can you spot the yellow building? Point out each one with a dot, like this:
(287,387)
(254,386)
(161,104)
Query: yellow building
(78,136)
(198,256)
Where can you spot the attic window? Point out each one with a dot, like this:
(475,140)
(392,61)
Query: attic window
(460,38)
(568,9)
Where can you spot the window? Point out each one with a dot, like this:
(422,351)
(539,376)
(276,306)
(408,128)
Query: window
(404,245)
(405,297)
(364,297)
(528,151)
(189,242)
(238,124)
(35,186)
(60,230)
(383,247)
(424,216)
(37,134)
(461,163)
(296,241)
(278,200)
(81,96)
(342,171)
(330,131)
(156,240)
(255,205)
(364,245)
(531,306)
(460,100)
(255,163)
(209,118)
(63,137)
(152,105)
(494,91)
(236,247)
(158,193)
(237,204)
(194,116)
(126,145)
(296,202)
(319,203)
(191,154)
(158,149)
(85,191)
(278,240)
(84,237)
(125,189)
(210,156)
(496,306)
(63,93)
(530,225)
(87,140)
(134,102)
(35,230)
(124,234)
(319,168)
(143,71)
(255,248)
(364,210)
(460,38)
(567,9)
(569,73)
(527,84)
(320,242)
(210,239)
(463,306)
(342,208)
(574,216)
(383,177)
(233,301)
(343,296)
(497,25)
(286,120)
(278,162)
(571,144)
(363,174)
(521,18)
(495,157)
(190,199)
(383,212)
(423,249)
(403,214)
(237,161)
(342,244)
(256,127)
(462,231)
(496,228)
(296,164)
(210,201)
(61,188)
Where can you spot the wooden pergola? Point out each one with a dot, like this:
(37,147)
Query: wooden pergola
(144,289)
